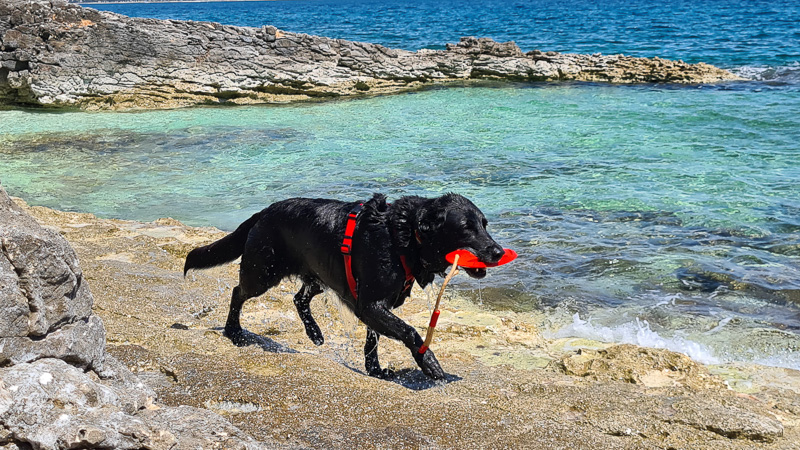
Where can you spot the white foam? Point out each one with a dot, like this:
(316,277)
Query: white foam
(637,332)
(787,73)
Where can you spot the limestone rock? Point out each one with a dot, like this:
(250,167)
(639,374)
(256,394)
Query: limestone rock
(201,428)
(730,421)
(58,387)
(45,301)
(51,404)
(57,54)
(485,46)
(638,365)
(81,343)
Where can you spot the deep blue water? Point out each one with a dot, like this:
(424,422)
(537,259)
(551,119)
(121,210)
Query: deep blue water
(674,205)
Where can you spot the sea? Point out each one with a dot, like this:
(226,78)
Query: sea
(655,214)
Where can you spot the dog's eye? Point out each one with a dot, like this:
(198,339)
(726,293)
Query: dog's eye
(485,223)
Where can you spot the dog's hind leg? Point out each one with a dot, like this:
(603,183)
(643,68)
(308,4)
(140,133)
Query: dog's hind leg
(302,300)
(371,362)
(232,325)
(257,274)
(378,317)
(233,329)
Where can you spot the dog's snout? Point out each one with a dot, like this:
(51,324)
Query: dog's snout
(496,252)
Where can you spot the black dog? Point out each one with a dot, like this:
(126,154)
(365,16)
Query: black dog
(391,246)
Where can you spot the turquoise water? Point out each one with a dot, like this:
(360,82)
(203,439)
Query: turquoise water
(667,215)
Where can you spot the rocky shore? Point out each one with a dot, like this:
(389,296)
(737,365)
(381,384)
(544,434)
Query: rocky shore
(57,54)
(59,388)
(121,351)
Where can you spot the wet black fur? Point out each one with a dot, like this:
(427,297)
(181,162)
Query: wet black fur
(302,237)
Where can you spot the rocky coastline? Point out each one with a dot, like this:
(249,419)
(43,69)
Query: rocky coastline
(56,54)
(104,343)
(121,351)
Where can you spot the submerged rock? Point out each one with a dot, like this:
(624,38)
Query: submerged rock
(62,55)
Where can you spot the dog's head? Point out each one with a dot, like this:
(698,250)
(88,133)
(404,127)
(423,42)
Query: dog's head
(451,222)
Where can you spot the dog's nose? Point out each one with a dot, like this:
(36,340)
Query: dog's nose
(496,252)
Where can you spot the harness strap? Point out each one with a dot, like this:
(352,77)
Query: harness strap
(347,248)
(409,282)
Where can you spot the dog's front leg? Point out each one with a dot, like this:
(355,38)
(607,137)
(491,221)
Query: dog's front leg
(378,317)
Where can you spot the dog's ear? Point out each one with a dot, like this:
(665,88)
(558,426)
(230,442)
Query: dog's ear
(404,226)
(430,219)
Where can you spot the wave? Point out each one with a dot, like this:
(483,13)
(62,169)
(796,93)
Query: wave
(637,332)
(788,74)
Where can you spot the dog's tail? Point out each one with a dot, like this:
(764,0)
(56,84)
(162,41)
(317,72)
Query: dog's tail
(222,251)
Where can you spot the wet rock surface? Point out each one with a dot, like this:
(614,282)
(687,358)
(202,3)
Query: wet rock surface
(507,386)
(637,365)
(62,55)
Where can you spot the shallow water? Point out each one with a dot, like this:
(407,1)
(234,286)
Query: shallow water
(666,215)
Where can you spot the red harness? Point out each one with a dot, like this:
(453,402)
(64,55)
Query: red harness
(347,248)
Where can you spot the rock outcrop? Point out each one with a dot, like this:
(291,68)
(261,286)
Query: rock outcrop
(58,386)
(62,55)
(46,304)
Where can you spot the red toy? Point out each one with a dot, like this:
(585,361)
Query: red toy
(468,259)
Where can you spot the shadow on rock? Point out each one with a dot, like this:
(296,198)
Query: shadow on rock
(246,338)
(415,380)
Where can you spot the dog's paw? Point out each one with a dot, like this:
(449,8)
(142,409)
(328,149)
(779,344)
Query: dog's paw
(315,336)
(383,374)
(240,339)
(313,332)
(429,364)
